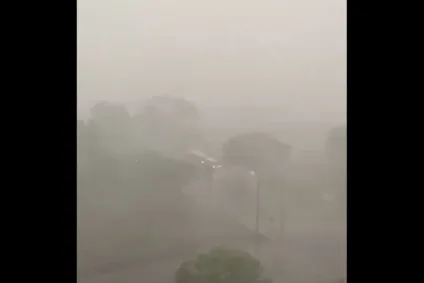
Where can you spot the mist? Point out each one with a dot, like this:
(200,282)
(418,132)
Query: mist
(281,60)
(273,68)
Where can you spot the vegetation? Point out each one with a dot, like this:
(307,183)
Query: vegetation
(119,151)
(167,124)
(336,148)
(336,144)
(221,265)
(256,151)
(113,152)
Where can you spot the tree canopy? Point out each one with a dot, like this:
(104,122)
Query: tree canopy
(336,145)
(221,265)
(256,151)
(109,156)
(110,127)
(167,124)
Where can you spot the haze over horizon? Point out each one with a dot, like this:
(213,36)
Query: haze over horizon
(282,61)
(248,151)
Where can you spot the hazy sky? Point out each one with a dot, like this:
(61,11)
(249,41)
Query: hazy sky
(282,59)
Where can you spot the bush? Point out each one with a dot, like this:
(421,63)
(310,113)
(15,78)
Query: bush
(221,265)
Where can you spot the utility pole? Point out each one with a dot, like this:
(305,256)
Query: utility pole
(258,185)
(257,233)
(282,197)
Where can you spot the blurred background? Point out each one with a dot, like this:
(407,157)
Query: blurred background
(211,123)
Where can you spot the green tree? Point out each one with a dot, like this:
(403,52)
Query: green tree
(259,152)
(266,156)
(336,145)
(221,265)
(110,127)
(161,175)
(336,148)
(167,124)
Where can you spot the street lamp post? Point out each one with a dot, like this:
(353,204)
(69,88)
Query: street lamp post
(258,185)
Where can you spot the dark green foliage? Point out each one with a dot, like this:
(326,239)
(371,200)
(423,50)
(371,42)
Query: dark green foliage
(109,155)
(221,265)
(162,174)
(256,151)
(337,145)
(336,148)
(110,127)
(168,124)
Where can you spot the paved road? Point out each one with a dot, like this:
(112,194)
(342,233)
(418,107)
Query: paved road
(309,251)
(114,247)
(127,245)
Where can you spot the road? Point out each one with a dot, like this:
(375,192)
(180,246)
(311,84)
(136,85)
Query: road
(310,250)
(148,243)
(123,242)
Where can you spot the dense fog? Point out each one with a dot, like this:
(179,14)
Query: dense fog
(205,124)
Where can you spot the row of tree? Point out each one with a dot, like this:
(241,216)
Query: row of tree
(161,123)
(168,126)
(119,150)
